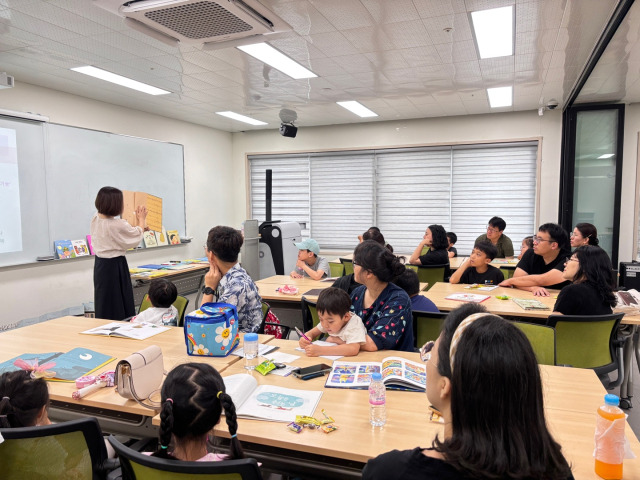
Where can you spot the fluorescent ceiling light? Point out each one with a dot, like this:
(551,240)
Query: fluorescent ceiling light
(357,108)
(500,97)
(606,155)
(241,118)
(278,60)
(120,80)
(149,4)
(494,31)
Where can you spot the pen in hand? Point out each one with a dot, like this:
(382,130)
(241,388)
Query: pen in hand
(299,332)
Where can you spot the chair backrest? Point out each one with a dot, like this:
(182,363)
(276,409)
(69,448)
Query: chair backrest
(310,316)
(432,273)
(507,272)
(348,265)
(138,466)
(586,341)
(72,449)
(426,326)
(181,304)
(543,340)
(337,269)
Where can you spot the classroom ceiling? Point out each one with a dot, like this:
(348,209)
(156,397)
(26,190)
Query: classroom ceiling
(401,58)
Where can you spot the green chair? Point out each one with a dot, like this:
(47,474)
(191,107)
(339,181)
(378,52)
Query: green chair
(590,342)
(73,449)
(543,340)
(507,272)
(181,304)
(348,265)
(337,269)
(138,466)
(284,329)
(424,251)
(427,326)
(310,316)
(432,273)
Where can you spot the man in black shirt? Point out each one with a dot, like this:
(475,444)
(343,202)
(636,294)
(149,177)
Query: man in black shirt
(542,266)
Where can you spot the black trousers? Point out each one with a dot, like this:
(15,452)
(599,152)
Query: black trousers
(113,293)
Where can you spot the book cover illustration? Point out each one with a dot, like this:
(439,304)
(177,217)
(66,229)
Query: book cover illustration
(162,238)
(80,248)
(530,304)
(150,239)
(174,237)
(64,249)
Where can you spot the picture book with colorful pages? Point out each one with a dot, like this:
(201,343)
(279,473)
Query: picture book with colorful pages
(137,331)
(467,297)
(133,270)
(149,238)
(80,248)
(268,402)
(90,245)
(64,249)
(162,238)
(397,374)
(174,237)
(530,304)
(58,366)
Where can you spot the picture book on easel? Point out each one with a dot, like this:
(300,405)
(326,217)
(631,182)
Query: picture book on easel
(64,249)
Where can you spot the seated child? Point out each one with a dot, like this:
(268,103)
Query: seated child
(193,398)
(344,327)
(310,263)
(527,243)
(409,282)
(480,272)
(452,238)
(162,293)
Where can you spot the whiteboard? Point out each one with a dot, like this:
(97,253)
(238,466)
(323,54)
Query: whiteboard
(61,169)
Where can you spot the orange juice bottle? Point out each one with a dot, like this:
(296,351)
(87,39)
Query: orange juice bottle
(609,439)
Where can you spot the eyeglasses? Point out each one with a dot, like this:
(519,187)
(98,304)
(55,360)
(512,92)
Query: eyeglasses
(492,230)
(572,259)
(355,263)
(538,240)
(425,351)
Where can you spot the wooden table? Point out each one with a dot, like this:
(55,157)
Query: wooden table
(268,288)
(63,334)
(571,399)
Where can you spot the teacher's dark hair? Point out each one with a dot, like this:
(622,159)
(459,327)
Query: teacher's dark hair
(590,232)
(495,370)
(375,258)
(110,201)
(225,243)
(22,399)
(595,269)
(439,240)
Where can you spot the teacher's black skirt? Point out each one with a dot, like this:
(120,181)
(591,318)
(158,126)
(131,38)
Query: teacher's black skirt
(113,293)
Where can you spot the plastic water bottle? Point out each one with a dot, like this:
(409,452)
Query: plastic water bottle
(250,350)
(609,439)
(377,401)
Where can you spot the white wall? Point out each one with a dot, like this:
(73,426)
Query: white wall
(32,291)
(629,171)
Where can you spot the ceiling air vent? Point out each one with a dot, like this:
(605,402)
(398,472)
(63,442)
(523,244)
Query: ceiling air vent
(199,21)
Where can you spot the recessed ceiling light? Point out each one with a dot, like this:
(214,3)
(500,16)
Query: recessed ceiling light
(241,118)
(500,97)
(607,155)
(278,60)
(357,108)
(120,80)
(493,31)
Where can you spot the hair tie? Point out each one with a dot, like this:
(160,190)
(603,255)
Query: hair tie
(6,398)
(219,393)
(169,400)
(234,435)
(164,447)
(458,333)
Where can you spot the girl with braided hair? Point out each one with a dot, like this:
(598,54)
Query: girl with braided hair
(193,398)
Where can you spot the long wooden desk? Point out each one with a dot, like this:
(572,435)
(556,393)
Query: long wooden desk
(571,399)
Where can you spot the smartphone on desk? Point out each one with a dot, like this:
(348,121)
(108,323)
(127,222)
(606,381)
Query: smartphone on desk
(313,371)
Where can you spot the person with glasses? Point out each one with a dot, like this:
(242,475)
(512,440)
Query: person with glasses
(500,240)
(591,292)
(384,308)
(584,234)
(542,266)
(482,375)
(227,282)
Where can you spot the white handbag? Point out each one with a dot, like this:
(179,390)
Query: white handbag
(139,375)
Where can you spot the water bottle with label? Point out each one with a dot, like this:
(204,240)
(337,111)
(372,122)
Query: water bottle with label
(377,401)
(609,437)
(250,350)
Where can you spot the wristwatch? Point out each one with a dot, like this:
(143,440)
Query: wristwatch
(208,291)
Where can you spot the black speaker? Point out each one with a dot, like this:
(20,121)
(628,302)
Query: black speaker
(288,130)
(629,275)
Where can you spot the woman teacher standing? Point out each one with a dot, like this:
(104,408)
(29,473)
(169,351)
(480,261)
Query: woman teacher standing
(111,237)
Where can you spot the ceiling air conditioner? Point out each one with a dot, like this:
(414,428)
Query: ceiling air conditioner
(214,23)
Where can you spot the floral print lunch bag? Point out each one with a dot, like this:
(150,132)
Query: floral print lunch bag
(212,330)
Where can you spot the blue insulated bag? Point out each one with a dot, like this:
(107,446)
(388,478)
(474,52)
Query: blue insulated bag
(212,330)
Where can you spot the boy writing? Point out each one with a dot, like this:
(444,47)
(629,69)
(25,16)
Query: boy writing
(344,328)
(309,263)
(162,293)
(476,268)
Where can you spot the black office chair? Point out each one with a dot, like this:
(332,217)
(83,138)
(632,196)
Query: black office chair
(73,449)
(138,466)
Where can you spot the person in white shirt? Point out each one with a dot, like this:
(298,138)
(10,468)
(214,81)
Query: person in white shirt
(162,294)
(344,327)
(111,237)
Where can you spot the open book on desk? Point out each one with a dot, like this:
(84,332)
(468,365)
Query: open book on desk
(397,373)
(137,331)
(268,402)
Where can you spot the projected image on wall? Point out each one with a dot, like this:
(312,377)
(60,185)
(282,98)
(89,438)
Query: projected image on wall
(10,226)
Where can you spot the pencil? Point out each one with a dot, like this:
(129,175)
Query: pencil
(302,334)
